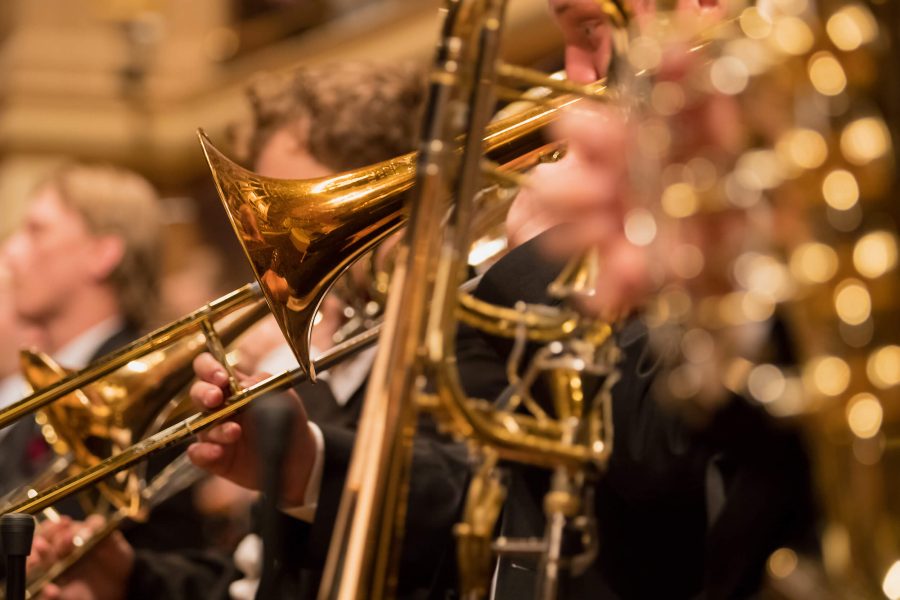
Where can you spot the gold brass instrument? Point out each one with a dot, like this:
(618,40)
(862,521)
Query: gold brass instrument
(360,206)
(846,388)
(417,345)
(309,268)
(109,415)
(177,476)
(117,410)
(184,430)
(201,320)
(275,229)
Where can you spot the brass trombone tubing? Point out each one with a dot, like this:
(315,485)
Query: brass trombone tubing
(141,347)
(364,551)
(177,476)
(531,447)
(538,78)
(189,427)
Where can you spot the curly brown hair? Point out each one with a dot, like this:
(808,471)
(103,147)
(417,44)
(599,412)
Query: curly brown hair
(360,112)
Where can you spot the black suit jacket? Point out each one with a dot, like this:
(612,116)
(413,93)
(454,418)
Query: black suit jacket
(650,504)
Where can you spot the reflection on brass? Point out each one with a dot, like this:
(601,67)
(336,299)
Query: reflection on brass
(300,235)
(107,416)
(179,432)
(139,349)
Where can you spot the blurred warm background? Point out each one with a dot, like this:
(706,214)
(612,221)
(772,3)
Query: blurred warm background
(130,81)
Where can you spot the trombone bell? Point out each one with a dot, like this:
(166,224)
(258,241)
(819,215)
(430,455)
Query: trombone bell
(85,424)
(301,235)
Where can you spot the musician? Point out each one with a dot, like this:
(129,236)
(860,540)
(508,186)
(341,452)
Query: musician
(310,123)
(658,465)
(84,271)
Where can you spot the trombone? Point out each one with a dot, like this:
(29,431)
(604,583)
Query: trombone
(103,417)
(178,475)
(200,321)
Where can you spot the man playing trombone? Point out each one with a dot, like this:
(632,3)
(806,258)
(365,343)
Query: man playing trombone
(305,124)
(654,510)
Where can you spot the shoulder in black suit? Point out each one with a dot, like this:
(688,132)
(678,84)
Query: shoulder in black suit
(652,518)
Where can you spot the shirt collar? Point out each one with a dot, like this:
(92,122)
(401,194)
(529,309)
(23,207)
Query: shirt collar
(346,377)
(79,352)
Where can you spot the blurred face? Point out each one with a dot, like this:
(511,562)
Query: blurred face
(587,32)
(284,156)
(14,333)
(50,257)
(8,331)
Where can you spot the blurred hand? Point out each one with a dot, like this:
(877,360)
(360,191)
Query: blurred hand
(607,187)
(102,574)
(587,195)
(231,449)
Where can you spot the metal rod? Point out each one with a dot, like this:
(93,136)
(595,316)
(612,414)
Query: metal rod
(534,77)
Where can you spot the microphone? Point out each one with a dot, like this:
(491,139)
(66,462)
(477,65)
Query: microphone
(274,418)
(16,533)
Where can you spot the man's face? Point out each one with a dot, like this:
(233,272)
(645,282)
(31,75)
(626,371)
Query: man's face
(50,257)
(587,32)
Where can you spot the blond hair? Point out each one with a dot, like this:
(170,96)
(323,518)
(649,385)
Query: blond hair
(115,201)
(359,113)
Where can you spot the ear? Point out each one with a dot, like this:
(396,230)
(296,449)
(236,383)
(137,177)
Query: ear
(108,253)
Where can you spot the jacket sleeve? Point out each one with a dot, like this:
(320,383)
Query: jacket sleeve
(438,482)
